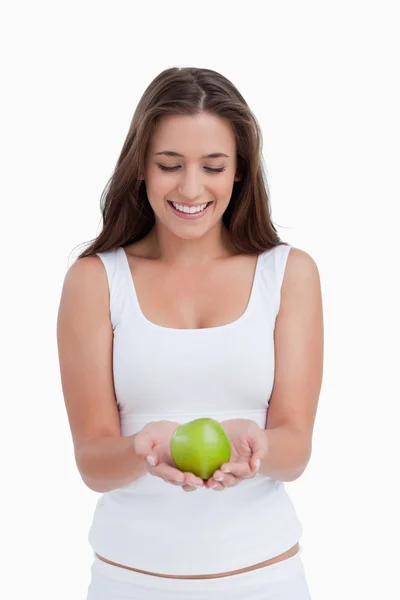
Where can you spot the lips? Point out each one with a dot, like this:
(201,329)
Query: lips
(187,215)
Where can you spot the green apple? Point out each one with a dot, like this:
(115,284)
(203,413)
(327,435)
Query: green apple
(200,447)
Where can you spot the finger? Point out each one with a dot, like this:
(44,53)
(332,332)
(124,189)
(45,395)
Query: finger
(143,444)
(192,480)
(189,488)
(214,485)
(259,448)
(230,481)
(218,487)
(218,477)
(239,469)
(167,473)
(227,480)
(255,463)
(163,470)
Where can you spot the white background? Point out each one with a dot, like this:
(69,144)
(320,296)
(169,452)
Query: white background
(323,81)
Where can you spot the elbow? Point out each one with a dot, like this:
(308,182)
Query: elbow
(294,475)
(297,469)
(95,486)
(92,485)
(298,472)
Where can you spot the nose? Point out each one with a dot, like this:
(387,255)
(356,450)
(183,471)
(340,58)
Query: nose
(191,186)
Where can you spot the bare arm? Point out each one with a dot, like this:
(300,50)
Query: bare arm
(298,370)
(105,460)
(109,463)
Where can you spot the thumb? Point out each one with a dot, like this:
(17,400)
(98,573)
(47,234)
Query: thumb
(259,448)
(255,464)
(144,449)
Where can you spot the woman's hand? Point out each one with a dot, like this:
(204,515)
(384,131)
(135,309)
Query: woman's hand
(248,448)
(152,444)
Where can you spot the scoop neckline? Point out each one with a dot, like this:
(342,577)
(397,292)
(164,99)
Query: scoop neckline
(143,317)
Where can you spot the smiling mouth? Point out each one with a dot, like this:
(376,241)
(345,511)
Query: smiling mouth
(207,204)
(187,214)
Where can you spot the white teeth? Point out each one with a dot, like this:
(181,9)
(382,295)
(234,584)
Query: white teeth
(186,209)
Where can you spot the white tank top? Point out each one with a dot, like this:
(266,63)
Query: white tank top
(223,372)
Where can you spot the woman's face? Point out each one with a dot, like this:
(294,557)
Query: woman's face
(178,171)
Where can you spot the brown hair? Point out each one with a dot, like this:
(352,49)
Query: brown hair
(126,211)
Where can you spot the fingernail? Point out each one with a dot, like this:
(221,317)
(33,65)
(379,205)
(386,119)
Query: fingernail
(214,486)
(257,464)
(150,460)
(226,470)
(219,478)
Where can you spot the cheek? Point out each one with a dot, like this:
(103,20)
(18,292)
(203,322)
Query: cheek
(223,189)
(158,186)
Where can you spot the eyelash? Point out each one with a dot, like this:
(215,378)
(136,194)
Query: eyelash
(211,171)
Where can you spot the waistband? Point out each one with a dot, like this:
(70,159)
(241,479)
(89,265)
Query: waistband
(275,572)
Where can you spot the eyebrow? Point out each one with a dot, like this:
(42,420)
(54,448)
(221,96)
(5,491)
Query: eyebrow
(212,155)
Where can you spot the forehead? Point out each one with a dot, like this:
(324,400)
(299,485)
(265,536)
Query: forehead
(193,136)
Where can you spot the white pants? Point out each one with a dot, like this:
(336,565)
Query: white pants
(284,580)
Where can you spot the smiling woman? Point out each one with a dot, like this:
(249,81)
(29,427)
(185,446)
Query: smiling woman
(187,308)
(196,186)
(195,130)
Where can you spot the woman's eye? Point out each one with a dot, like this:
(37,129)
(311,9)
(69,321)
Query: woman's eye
(163,168)
(167,168)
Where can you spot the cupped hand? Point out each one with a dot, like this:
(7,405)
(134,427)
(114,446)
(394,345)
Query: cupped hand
(248,448)
(152,444)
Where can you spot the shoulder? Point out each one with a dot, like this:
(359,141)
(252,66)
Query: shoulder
(300,266)
(84,295)
(301,282)
(292,264)
(301,286)
(88,266)
(85,275)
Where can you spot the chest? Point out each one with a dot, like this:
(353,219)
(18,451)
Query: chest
(193,299)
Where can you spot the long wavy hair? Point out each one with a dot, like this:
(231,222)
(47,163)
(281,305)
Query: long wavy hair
(126,212)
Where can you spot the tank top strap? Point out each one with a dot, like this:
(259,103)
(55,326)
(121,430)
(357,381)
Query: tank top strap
(271,273)
(280,256)
(117,284)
